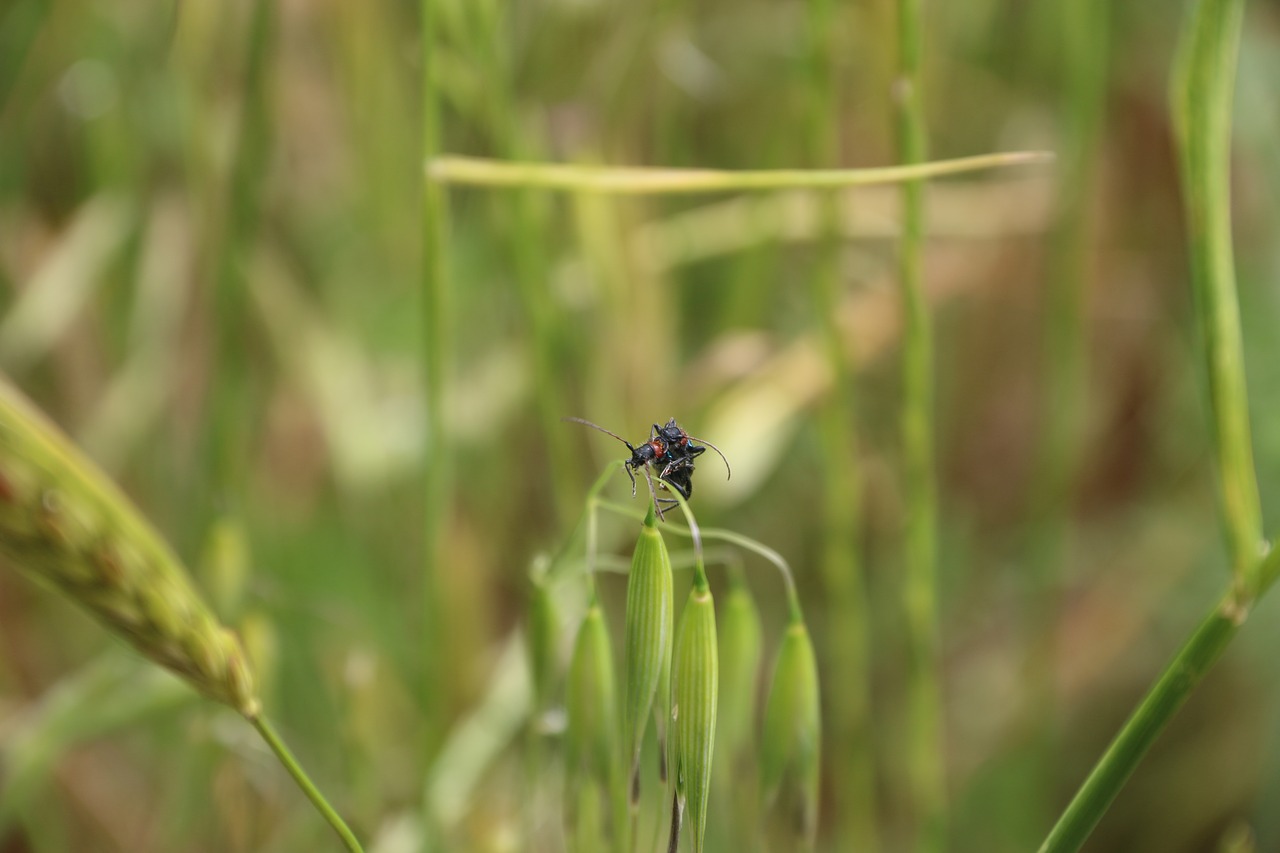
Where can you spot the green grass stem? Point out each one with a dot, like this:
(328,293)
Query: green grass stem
(1168,694)
(308,787)
(848,637)
(523,218)
(622,180)
(437,354)
(1202,97)
(926,751)
(1141,730)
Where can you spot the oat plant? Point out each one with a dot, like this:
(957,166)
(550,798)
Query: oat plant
(66,525)
(671,671)
(787,754)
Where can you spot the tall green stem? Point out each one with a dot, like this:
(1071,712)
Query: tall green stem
(848,634)
(437,324)
(525,218)
(1202,97)
(1141,730)
(926,752)
(1203,92)
(230,397)
(1156,710)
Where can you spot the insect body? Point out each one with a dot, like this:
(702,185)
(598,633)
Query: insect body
(671,451)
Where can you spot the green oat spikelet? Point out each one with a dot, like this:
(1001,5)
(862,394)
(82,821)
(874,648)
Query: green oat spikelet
(662,711)
(590,746)
(542,630)
(65,523)
(695,693)
(791,745)
(647,640)
(741,650)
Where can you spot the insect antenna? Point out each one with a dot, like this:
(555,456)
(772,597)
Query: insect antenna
(603,430)
(727,469)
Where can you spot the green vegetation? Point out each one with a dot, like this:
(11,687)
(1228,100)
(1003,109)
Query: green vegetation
(294,298)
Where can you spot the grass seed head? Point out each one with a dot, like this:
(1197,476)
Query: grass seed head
(695,692)
(741,646)
(662,710)
(591,706)
(792,734)
(63,522)
(647,641)
(544,642)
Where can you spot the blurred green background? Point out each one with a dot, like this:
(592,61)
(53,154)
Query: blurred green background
(211,276)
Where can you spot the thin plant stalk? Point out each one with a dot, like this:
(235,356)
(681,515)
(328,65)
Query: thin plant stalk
(1202,98)
(437,349)
(841,567)
(1177,681)
(524,218)
(925,762)
(623,180)
(308,787)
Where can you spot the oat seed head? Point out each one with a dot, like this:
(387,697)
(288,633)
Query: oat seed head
(791,738)
(647,637)
(695,694)
(741,647)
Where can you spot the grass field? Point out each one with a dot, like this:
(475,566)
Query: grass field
(316,284)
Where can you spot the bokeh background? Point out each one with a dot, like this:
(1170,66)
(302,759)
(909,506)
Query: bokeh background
(211,275)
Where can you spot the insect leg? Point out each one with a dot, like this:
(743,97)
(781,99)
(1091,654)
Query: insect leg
(683,485)
(675,466)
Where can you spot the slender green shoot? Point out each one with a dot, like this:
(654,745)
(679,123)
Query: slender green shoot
(1177,681)
(848,632)
(477,171)
(437,348)
(924,692)
(1203,90)
(1202,97)
(308,787)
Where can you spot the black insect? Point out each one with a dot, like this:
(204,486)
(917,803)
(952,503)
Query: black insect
(671,451)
